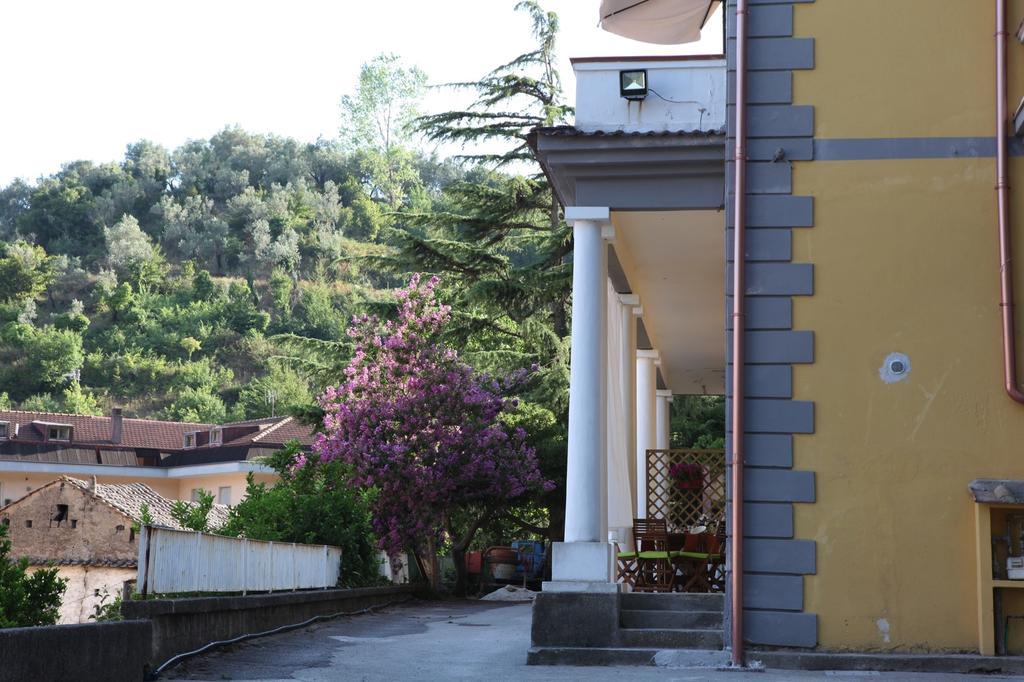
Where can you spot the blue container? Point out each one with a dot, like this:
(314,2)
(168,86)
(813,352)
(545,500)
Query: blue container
(531,554)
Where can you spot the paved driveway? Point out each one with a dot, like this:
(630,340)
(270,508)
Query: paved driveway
(443,641)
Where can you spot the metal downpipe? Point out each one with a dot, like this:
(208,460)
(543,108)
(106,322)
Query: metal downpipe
(1003,211)
(738,330)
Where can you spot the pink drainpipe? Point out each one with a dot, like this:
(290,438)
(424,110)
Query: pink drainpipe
(738,329)
(1003,209)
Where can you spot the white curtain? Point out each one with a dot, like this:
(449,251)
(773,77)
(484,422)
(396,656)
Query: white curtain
(619,449)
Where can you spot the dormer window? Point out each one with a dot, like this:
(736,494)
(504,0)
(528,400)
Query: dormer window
(216,436)
(5,430)
(189,440)
(58,432)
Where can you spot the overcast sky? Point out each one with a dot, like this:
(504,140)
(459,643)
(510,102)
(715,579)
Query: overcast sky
(83,79)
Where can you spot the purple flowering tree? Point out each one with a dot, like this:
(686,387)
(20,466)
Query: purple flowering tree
(427,432)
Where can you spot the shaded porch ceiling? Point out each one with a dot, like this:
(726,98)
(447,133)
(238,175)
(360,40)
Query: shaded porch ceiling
(675,262)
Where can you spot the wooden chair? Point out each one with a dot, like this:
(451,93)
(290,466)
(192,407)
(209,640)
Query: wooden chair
(716,558)
(693,561)
(626,566)
(655,572)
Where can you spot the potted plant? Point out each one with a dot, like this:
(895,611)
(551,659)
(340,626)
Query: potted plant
(687,475)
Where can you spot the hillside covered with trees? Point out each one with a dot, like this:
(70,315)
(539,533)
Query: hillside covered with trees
(215,281)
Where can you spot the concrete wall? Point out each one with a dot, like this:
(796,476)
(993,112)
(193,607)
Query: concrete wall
(904,246)
(93,531)
(692,84)
(80,598)
(181,625)
(98,651)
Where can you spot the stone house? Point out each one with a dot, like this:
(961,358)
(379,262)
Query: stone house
(87,530)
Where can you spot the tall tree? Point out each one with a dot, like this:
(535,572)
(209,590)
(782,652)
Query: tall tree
(501,243)
(376,122)
(428,432)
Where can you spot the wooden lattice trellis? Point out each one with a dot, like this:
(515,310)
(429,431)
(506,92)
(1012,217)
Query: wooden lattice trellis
(696,492)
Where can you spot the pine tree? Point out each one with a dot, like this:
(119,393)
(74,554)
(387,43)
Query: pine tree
(502,242)
(501,245)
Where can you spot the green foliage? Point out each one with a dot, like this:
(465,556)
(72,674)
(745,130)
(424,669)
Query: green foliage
(25,271)
(281,391)
(27,599)
(196,405)
(194,515)
(108,609)
(698,421)
(145,518)
(313,505)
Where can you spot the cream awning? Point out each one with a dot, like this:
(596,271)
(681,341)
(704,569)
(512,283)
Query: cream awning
(665,22)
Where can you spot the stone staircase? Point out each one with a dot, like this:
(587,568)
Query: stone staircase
(671,621)
(677,630)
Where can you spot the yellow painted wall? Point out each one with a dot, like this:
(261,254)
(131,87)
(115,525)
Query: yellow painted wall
(906,260)
(16,486)
(212,484)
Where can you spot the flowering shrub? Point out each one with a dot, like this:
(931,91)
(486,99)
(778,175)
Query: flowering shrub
(422,427)
(687,475)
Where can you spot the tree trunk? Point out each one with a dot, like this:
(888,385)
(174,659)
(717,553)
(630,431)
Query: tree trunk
(426,559)
(461,574)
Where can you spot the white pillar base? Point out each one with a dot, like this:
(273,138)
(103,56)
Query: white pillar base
(582,567)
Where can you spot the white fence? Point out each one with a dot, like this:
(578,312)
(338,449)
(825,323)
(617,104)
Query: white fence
(186,561)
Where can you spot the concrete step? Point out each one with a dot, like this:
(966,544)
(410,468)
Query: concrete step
(606,656)
(673,601)
(665,638)
(656,618)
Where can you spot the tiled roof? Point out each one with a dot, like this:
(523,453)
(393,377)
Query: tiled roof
(573,131)
(148,434)
(128,499)
(136,433)
(106,563)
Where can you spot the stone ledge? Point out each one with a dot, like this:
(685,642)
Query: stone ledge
(182,625)
(888,662)
(151,608)
(89,651)
(579,656)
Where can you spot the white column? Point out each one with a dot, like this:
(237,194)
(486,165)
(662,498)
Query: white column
(584,561)
(664,420)
(627,319)
(646,420)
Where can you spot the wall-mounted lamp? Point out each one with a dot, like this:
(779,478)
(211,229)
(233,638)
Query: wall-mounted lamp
(633,84)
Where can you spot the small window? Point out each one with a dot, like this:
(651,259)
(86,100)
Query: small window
(62,514)
(58,433)
(28,523)
(224,494)
(189,440)
(74,523)
(119,528)
(7,521)
(195,494)
(216,436)
(5,429)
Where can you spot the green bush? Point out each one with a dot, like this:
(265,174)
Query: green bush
(313,505)
(27,599)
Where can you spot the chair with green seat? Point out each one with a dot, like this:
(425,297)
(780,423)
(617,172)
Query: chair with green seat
(625,567)
(700,552)
(655,572)
(716,559)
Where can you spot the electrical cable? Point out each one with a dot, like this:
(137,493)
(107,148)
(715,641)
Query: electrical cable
(673,101)
(174,660)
